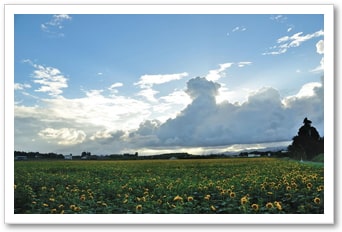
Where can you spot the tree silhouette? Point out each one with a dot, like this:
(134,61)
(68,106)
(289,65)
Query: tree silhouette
(307,144)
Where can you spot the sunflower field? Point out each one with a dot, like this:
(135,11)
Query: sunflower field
(199,186)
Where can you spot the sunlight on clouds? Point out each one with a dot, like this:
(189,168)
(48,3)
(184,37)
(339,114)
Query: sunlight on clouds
(320,47)
(94,110)
(216,74)
(50,79)
(150,80)
(233,96)
(63,136)
(148,93)
(306,92)
(320,50)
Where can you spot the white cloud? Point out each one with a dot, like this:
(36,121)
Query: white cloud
(184,118)
(176,97)
(320,47)
(50,79)
(147,81)
(148,93)
(264,117)
(202,87)
(18,86)
(63,136)
(308,90)
(320,67)
(243,64)
(116,85)
(239,28)
(320,50)
(55,25)
(216,74)
(279,18)
(105,136)
(113,87)
(295,40)
(94,111)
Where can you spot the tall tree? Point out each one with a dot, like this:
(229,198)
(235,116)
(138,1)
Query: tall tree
(307,143)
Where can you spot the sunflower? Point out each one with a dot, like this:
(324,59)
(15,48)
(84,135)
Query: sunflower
(178,198)
(82,197)
(232,194)
(320,188)
(138,207)
(278,205)
(317,200)
(255,207)
(207,197)
(243,200)
(53,210)
(190,198)
(269,205)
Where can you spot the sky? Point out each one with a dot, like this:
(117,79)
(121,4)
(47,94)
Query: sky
(150,83)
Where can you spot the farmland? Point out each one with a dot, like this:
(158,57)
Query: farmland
(226,186)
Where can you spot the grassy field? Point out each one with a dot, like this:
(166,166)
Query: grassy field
(229,186)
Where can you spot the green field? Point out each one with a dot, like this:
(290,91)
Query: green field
(229,186)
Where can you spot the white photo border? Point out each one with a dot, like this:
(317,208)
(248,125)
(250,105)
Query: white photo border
(326,218)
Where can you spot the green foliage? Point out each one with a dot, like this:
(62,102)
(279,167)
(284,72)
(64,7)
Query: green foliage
(319,158)
(229,186)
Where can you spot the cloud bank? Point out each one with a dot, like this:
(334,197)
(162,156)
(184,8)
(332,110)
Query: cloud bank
(264,117)
(107,124)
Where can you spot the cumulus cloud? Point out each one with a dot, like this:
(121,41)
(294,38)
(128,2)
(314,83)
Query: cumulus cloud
(149,94)
(107,137)
(112,124)
(320,50)
(55,25)
(263,117)
(63,136)
(286,42)
(92,111)
(201,87)
(320,47)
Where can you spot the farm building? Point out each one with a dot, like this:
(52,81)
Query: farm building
(20,157)
(68,157)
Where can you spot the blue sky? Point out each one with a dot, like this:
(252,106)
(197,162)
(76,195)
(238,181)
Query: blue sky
(158,83)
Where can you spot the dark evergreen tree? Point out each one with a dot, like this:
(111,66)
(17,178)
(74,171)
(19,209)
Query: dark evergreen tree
(307,144)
